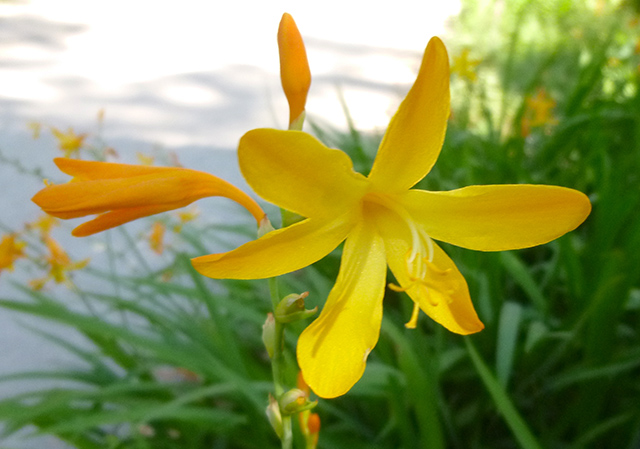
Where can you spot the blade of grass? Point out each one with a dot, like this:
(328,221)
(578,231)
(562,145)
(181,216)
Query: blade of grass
(502,400)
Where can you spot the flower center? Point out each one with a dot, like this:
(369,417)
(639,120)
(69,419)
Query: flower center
(423,275)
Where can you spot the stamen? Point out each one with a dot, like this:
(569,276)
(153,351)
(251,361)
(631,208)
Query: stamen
(413,322)
(420,269)
(397,288)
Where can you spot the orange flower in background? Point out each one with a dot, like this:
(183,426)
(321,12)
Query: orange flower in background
(69,142)
(294,70)
(309,422)
(384,222)
(59,264)
(10,250)
(538,112)
(156,239)
(120,193)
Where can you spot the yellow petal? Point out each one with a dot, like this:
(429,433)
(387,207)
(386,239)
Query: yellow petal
(332,351)
(116,218)
(295,171)
(277,252)
(416,132)
(443,293)
(294,68)
(498,217)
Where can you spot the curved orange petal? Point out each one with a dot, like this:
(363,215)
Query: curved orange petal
(416,132)
(104,170)
(332,351)
(498,217)
(295,171)
(116,218)
(277,252)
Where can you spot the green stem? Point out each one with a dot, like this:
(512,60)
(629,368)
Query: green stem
(277,365)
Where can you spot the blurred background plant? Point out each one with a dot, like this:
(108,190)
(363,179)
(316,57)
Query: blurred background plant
(542,92)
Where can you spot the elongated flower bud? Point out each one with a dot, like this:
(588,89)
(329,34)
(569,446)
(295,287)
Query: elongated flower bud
(274,416)
(294,70)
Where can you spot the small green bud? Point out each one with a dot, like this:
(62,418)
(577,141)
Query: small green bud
(295,401)
(269,334)
(274,416)
(291,308)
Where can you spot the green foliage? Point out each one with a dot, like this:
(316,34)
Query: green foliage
(557,365)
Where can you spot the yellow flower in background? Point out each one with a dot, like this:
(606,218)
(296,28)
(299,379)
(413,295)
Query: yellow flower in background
(120,193)
(36,128)
(384,222)
(44,224)
(156,239)
(69,142)
(294,70)
(145,159)
(186,216)
(465,67)
(11,249)
(59,265)
(538,112)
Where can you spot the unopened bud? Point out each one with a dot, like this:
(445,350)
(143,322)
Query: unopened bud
(313,423)
(294,70)
(295,401)
(269,334)
(274,416)
(291,308)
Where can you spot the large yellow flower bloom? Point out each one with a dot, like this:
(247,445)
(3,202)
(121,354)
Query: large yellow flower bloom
(384,222)
(120,193)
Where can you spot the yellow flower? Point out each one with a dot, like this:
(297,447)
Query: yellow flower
(44,224)
(294,69)
(156,239)
(465,67)
(10,250)
(186,216)
(36,128)
(69,142)
(145,159)
(120,193)
(59,264)
(384,222)
(538,112)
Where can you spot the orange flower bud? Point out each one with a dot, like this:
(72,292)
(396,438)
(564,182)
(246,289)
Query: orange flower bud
(294,69)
